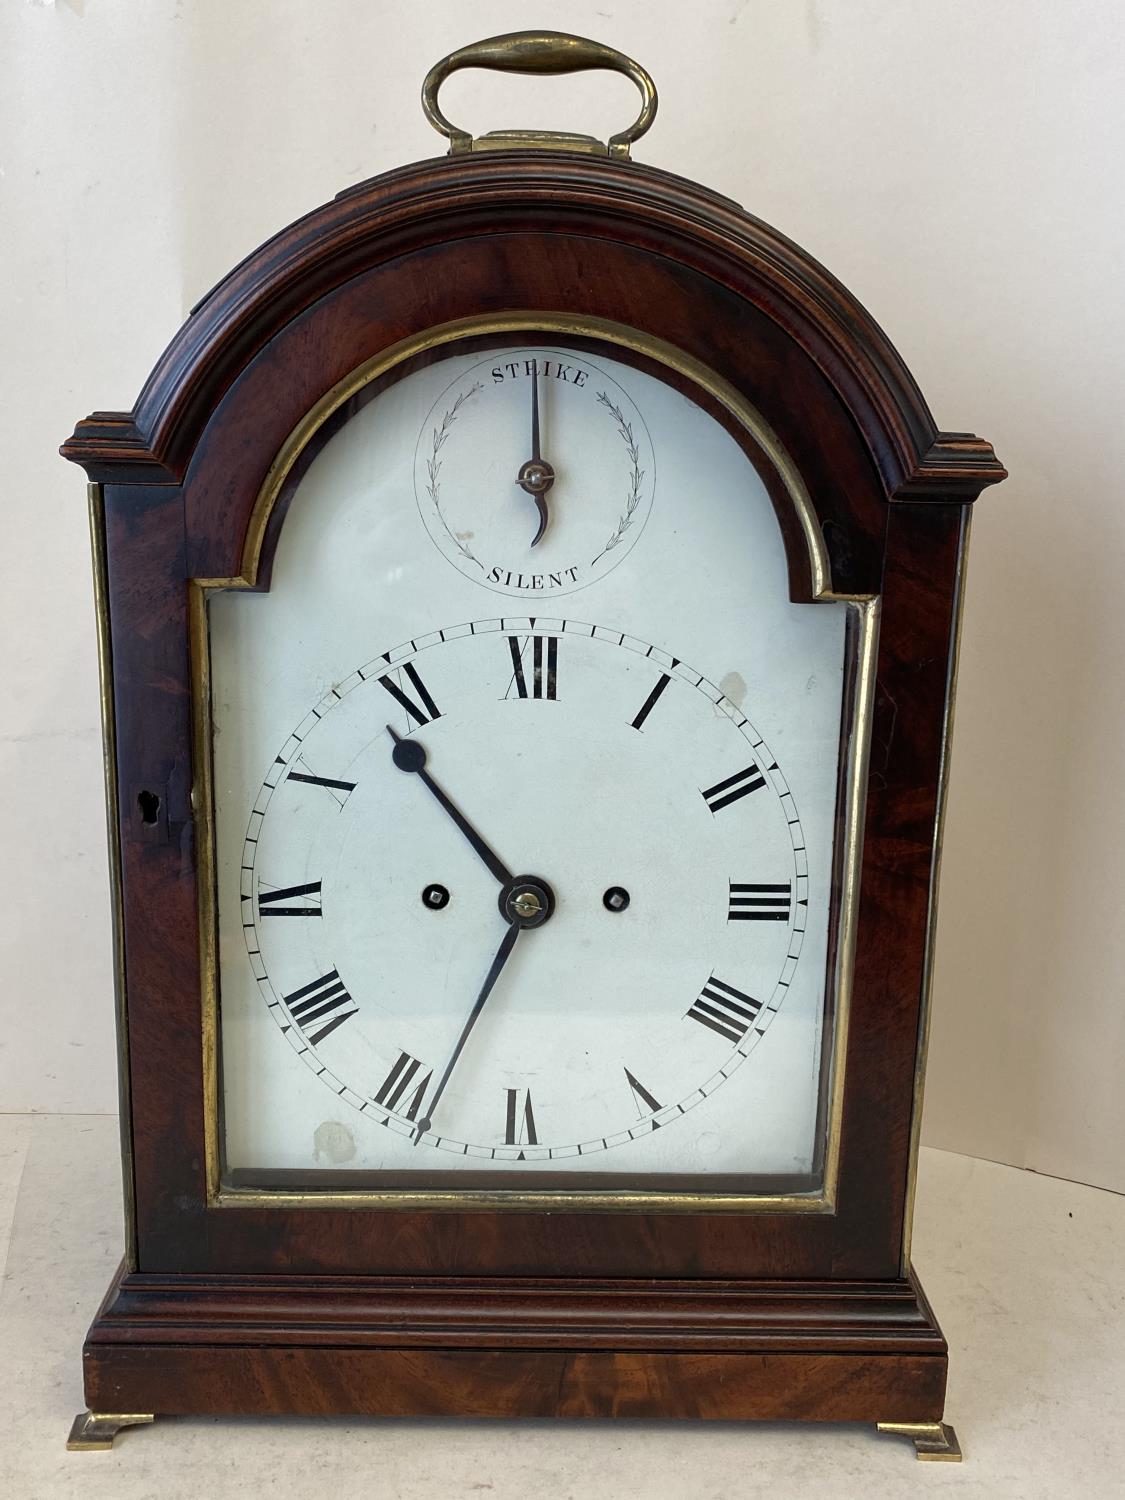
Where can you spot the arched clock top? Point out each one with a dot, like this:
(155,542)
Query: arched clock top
(806,546)
(703,241)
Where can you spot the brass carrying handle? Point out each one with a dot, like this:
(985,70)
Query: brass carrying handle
(538,52)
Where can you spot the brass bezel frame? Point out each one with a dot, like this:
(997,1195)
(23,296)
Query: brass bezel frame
(849,850)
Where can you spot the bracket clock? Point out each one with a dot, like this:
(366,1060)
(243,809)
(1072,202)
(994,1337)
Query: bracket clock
(528,592)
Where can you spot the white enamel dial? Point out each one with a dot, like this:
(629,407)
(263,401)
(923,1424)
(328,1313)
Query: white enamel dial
(623,780)
(622,802)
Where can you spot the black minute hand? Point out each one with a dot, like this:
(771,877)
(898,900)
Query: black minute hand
(410,755)
(503,954)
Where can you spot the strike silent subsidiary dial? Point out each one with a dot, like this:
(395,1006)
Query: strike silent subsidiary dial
(534,472)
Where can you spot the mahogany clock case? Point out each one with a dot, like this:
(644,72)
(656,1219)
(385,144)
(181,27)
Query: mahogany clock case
(483,1309)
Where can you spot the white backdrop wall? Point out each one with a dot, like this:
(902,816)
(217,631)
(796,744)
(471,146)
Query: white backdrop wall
(957,163)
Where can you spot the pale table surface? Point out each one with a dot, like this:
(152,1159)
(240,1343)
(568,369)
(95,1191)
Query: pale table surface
(1027,1275)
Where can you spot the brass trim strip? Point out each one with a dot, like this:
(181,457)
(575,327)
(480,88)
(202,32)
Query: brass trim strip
(203,814)
(592,1200)
(851,864)
(926,1011)
(100,563)
(545,1200)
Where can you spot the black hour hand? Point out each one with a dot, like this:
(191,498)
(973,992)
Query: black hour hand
(409,755)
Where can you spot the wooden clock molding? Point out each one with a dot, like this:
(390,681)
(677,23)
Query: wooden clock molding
(227,1309)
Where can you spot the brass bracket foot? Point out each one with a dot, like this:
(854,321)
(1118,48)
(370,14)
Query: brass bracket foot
(94,1431)
(932,1440)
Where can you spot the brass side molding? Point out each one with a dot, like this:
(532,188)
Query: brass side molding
(94,1431)
(934,1441)
(538,52)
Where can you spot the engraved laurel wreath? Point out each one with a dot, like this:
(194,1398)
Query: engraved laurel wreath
(636,477)
(433,471)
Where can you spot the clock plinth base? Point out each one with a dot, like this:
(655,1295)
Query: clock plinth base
(94,1431)
(932,1440)
(721,1350)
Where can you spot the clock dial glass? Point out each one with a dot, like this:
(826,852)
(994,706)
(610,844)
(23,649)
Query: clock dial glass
(527,788)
